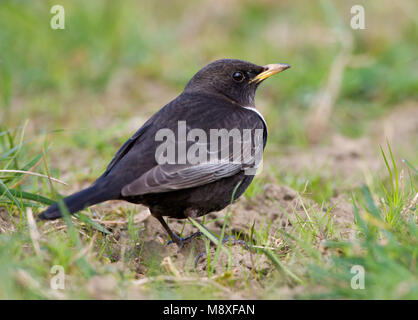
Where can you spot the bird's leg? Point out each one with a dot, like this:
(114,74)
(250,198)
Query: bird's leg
(175,238)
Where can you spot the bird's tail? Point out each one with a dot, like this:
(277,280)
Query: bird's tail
(77,202)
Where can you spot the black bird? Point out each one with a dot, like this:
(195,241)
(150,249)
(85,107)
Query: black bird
(219,96)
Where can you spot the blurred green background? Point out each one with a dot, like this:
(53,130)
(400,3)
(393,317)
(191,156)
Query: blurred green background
(115,63)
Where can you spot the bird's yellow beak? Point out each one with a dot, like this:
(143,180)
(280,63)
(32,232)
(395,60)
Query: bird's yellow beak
(270,70)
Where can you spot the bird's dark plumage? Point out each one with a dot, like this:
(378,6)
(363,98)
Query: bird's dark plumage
(220,96)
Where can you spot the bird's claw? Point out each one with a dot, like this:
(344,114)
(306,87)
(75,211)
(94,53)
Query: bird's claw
(231,240)
(181,241)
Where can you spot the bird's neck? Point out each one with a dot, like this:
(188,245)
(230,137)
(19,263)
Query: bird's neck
(220,94)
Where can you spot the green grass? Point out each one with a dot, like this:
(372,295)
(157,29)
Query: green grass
(385,244)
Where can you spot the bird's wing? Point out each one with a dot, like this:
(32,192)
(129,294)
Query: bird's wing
(162,179)
(126,147)
(171,177)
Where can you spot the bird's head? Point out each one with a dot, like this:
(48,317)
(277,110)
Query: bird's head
(235,79)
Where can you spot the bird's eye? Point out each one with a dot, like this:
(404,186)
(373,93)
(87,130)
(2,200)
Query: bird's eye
(238,76)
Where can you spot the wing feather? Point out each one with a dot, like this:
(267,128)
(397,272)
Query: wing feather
(171,177)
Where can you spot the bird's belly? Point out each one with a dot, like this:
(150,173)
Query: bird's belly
(200,200)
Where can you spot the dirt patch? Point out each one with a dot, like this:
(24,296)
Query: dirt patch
(278,208)
(349,159)
(6,222)
(344,157)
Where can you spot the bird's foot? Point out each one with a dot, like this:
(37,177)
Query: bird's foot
(226,240)
(181,241)
(232,240)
